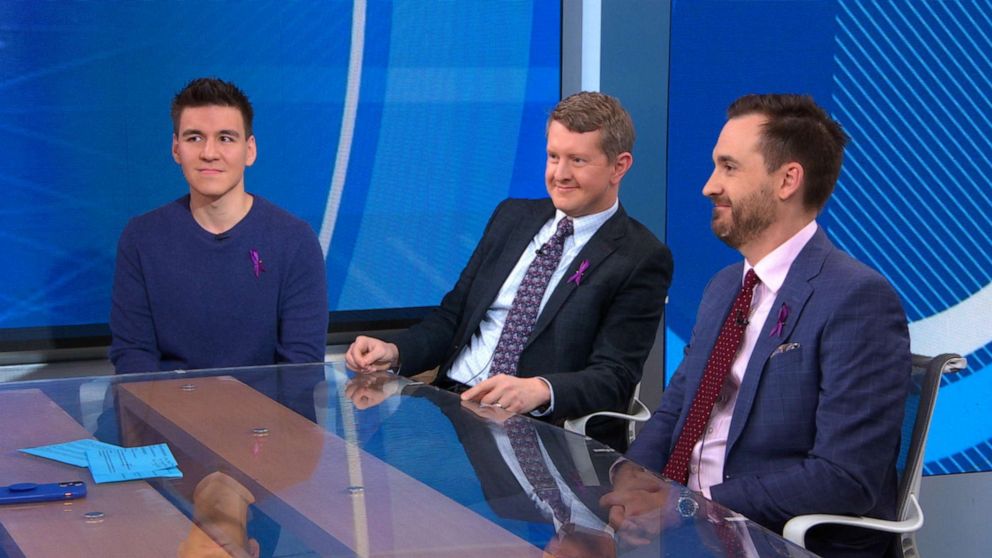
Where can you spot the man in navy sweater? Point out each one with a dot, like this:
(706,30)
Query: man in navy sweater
(219,277)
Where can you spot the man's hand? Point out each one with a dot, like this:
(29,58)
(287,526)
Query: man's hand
(516,395)
(368,354)
(641,505)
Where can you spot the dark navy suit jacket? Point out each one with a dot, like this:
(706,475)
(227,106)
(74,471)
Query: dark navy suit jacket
(590,340)
(815,429)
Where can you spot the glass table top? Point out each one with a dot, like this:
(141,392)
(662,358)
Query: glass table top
(314,460)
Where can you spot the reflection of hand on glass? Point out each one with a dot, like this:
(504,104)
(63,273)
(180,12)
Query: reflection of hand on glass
(574,541)
(641,505)
(220,509)
(628,475)
(492,413)
(370,389)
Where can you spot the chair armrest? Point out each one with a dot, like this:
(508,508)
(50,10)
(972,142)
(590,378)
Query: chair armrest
(795,529)
(639,413)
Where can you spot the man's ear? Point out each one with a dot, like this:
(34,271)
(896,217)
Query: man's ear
(252,151)
(621,165)
(792,176)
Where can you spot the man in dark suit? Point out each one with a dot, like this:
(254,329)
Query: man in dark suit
(581,284)
(806,416)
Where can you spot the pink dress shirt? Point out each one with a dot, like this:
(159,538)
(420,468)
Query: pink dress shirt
(706,463)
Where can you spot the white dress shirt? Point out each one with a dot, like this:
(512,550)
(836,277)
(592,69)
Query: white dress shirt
(706,462)
(471,366)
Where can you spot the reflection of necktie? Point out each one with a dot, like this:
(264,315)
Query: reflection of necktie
(714,375)
(730,539)
(522,316)
(523,439)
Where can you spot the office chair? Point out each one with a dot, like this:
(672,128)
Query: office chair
(637,412)
(920,402)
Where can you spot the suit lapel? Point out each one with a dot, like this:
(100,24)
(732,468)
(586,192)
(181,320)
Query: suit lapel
(712,312)
(521,231)
(795,292)
(600,246)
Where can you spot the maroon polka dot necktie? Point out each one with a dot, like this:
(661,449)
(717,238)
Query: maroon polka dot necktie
(522,316)
(714,375)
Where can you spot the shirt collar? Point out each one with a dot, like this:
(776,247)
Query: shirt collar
(773,268)
(584,227)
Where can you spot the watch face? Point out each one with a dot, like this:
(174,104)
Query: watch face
(687,506)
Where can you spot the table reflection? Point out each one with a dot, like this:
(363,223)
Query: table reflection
(620,508)
(316,461)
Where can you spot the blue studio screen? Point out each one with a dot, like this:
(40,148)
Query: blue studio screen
(393,128)
(910,83)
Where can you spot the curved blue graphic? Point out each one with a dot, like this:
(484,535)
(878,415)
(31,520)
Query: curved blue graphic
(912,86)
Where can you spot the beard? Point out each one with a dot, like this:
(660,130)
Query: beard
(749,217)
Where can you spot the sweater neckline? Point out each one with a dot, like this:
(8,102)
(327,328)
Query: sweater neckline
(229,233)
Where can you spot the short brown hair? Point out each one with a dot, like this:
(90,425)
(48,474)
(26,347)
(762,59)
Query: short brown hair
(798,130)
(205,92)
(588,111)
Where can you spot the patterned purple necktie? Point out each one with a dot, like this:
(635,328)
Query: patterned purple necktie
(714,375)
(523,439)
(522,316)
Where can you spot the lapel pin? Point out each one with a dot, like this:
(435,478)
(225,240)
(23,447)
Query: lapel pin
(783,314)
(256,262)
(577,276)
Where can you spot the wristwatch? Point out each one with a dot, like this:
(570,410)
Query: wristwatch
(687,505)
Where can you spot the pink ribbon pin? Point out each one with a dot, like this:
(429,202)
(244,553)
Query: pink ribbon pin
(577,276)
(256,262)
(783,313)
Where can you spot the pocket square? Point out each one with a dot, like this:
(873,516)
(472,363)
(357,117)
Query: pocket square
(785,347)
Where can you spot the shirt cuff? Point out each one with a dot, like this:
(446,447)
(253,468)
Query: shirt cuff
(616,465)
(547,410)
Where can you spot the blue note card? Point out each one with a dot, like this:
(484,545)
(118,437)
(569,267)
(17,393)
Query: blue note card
(121,464)
(73,453)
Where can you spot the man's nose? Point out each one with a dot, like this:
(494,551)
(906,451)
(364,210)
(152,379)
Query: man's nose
(209,151)
(562,170)
(711,187)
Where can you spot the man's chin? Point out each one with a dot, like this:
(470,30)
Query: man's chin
(726,235)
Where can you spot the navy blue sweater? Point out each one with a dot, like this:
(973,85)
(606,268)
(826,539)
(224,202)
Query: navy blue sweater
(185,298)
